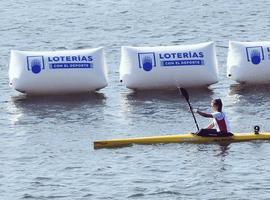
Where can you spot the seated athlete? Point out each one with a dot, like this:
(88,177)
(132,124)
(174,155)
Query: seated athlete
(220,125)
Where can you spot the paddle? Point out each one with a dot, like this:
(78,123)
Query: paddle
(185,94)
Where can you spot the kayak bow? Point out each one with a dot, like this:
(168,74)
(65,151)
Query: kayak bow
(184,138)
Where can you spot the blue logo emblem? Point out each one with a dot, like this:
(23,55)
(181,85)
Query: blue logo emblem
(35,64)
(147,61)
(255,54)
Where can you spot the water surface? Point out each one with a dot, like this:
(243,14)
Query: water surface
(46,146)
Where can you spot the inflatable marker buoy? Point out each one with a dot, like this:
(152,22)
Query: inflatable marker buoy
(58,72)
(248,62)
(168,67)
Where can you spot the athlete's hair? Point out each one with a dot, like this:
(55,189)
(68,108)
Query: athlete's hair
(218,103)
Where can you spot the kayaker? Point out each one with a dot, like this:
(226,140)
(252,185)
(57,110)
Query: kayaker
(220,125)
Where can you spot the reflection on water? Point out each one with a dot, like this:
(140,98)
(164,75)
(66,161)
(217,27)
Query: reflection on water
(56,106)
(156,103)
(223,149)
(77,99)
(170,98)
(170,95)
(251,93)
(253,102)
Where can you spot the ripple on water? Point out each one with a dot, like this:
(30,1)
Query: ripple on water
(46,142)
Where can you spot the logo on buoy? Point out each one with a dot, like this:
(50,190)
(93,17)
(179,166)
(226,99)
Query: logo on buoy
(178,59)
(35,64)
(71,62)
(255,54)
(147,61)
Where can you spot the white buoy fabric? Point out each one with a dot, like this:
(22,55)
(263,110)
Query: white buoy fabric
(58,72)
(249,62)
(166,67)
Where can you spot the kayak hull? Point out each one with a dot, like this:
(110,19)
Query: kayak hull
(181,138)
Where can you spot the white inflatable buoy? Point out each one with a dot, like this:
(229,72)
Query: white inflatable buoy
(168,66)
(249,62)
(58,72)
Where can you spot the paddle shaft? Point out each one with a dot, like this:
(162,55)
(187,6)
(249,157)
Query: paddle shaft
(186,95)
(193,115)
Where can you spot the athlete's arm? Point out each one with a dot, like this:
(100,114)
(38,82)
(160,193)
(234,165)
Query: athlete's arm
(205,114)
(210,126)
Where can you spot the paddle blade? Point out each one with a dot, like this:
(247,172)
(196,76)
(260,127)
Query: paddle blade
(184,93)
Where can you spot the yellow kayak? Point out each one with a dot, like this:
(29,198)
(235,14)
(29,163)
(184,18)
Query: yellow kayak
(188,138)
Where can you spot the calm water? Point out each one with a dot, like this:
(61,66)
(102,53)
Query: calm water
(46,149)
